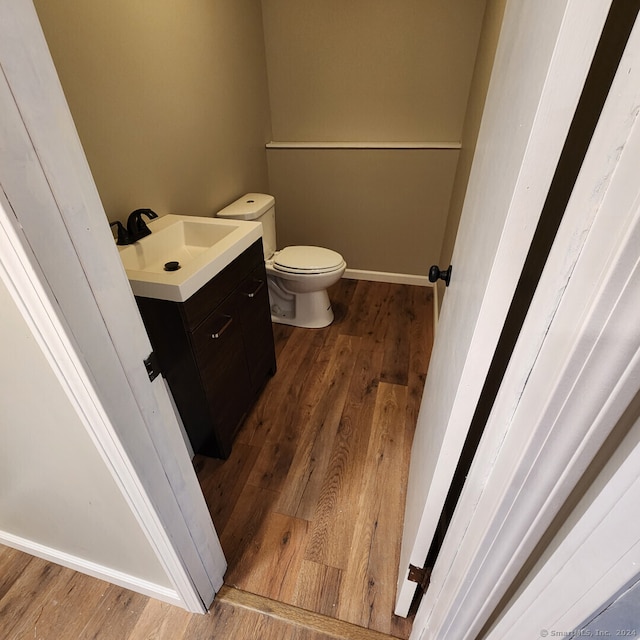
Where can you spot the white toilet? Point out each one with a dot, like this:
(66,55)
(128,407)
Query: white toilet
(298,276)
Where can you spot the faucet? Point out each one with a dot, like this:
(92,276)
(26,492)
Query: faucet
(123,234)
(136,226)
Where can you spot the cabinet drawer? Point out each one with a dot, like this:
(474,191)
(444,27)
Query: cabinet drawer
(200,304)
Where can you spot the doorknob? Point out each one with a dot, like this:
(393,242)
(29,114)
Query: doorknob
(436,274)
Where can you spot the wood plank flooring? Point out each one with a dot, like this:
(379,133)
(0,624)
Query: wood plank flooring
(43,601)
(309,505)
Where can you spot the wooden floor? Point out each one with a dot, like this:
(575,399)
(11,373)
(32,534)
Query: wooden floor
(308,507)
(43,601)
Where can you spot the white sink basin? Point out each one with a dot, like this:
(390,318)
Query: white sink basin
(201,246)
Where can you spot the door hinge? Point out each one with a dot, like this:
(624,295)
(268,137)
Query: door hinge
(421,576)
(152,366)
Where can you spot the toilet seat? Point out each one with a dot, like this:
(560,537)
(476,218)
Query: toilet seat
(307,259)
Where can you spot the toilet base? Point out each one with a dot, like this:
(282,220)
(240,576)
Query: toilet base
(309,310)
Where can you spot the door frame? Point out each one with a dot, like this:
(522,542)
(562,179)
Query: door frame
(140,454)
(62,267)
(572,378)
(542,60)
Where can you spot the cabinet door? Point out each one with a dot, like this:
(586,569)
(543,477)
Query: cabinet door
(255,319)
(218,347)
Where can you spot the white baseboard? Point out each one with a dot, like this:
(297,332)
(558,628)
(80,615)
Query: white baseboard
(392,278)
(92,569)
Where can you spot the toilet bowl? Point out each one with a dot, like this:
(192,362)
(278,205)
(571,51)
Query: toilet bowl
(297,276)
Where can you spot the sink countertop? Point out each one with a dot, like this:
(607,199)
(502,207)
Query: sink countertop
(202,246)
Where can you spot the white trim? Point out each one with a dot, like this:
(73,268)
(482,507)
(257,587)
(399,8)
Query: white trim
(573,373)
(364,145)
(541,63)
(391,278)
(585,564)
(93,569)
(25,286)
(61,233)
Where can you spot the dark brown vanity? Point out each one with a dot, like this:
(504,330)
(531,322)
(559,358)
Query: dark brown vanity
(216,350)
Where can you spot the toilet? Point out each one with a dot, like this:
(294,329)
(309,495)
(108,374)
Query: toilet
(297,276)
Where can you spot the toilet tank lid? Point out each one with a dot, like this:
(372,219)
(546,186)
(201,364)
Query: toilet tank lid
(249,207)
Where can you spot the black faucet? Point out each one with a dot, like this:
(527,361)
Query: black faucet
(136,226)
(123,234)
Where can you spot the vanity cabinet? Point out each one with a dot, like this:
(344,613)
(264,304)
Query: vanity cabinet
(216,350)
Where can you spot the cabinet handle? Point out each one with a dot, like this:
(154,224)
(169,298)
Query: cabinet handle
(223,328)
(252,294)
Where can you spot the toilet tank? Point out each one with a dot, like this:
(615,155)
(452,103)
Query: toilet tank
(259,207)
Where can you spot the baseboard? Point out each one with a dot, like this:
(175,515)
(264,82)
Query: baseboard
(392,278)
(92,569)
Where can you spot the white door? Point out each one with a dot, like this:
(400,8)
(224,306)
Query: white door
(572,383)
(541,63)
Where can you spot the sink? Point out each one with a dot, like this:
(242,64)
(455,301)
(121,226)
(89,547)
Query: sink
(201,246)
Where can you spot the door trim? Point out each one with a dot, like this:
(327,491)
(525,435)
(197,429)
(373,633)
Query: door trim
(26,287)
(67,273)
(573,374)
(601,516)
(543,57)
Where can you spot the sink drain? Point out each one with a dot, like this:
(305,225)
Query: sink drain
(173,265)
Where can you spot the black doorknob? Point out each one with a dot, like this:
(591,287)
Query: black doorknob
(436,274)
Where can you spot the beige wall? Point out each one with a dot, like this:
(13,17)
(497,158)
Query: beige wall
(383,210)
(169,98)
(368,71)
(68,501)
(479,87)
(173,108)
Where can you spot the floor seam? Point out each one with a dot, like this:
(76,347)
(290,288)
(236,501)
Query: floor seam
(297,616)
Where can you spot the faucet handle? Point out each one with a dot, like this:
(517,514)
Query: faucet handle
(123,234)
